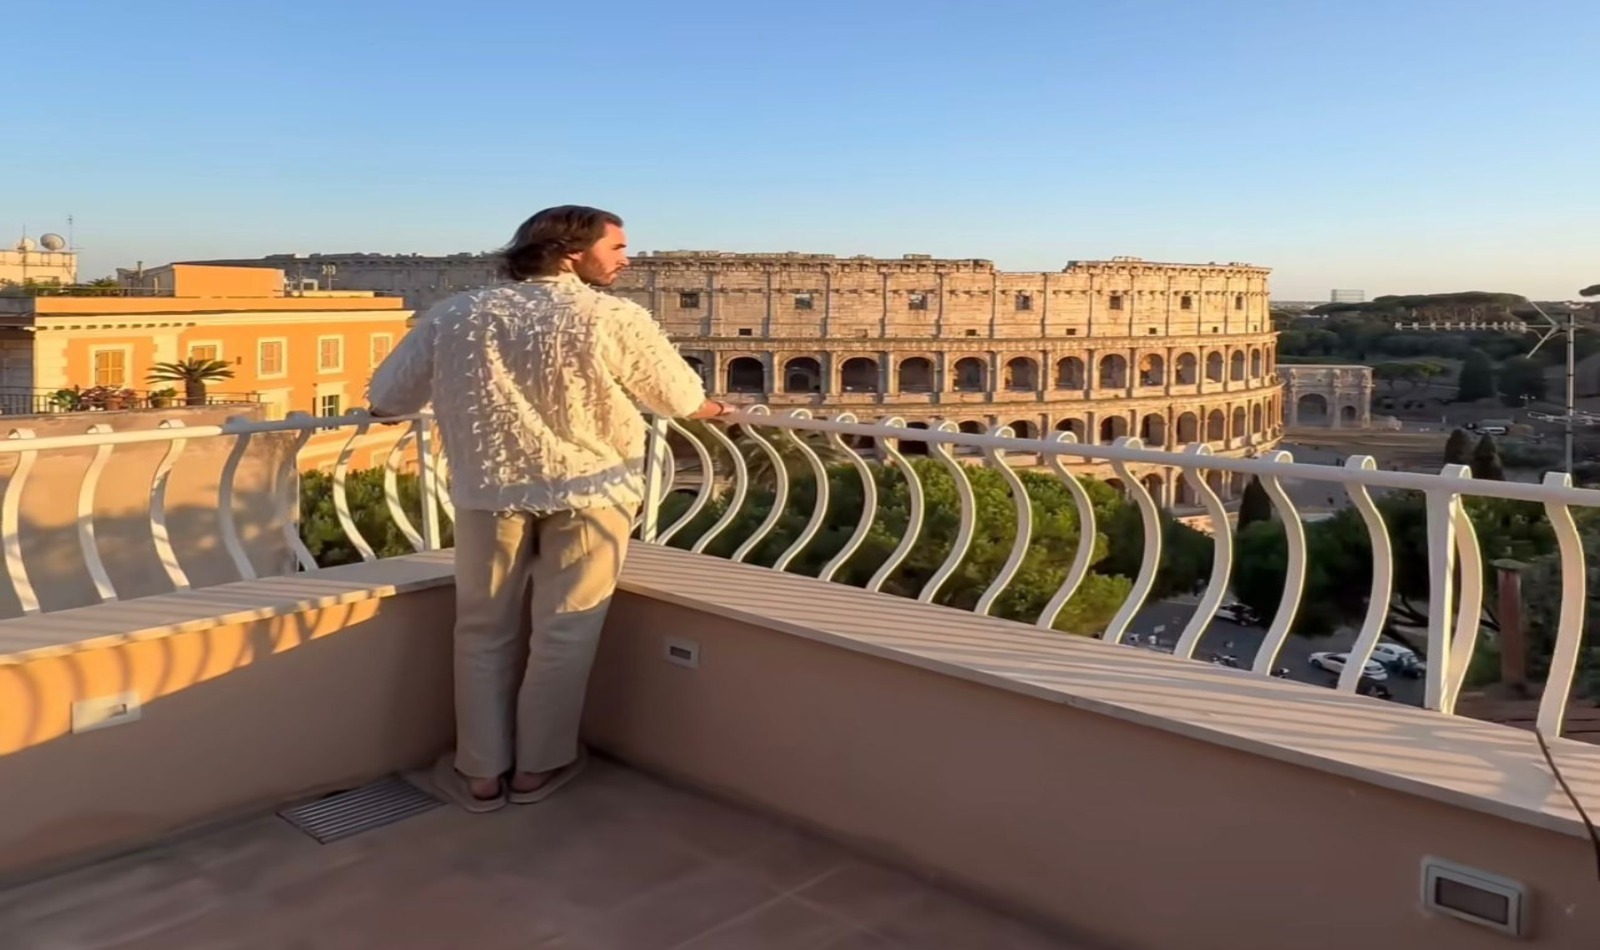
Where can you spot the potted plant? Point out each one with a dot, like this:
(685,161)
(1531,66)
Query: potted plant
(162,398)
(67,400)
(117,399)
(95,397)
(193,374)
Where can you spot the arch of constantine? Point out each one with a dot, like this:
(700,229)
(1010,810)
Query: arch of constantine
(1324,395)
(1176,354)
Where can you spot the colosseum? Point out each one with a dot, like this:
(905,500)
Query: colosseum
(1173,353)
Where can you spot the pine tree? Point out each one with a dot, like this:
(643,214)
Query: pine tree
(1477,378)
(1486,461)
(1458,450)
(1254,504)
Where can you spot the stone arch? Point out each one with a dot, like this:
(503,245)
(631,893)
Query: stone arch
(1312,409)
(1188,427)
(916,375)
(972,427)
(1255,362)
(1215,480)
(909,446)
(1214,366)
(1116,484)
(1113,428)
(1022,375)
(1153,484)
(1153,430)
(1216,426)
(746,374)
(1188,369)
(859,374)
(1236,483)
(1236,366)
(803,374)
(1349,415)
(1069,373)
(971,375)
(1113,371)
(1152,370)
(1074,426)
(1238,430)
(1183,493)
(699,366)
(1255,417)
(1023,429)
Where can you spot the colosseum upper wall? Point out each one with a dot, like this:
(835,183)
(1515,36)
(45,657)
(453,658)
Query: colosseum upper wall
(1173,353)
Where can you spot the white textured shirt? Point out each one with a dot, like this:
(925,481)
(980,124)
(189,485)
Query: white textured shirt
(537,387)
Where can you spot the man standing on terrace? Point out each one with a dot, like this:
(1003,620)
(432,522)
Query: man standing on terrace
(536,384)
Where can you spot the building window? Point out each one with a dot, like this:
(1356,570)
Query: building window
(328,405)
(330,354)
(382,343)
(803,302)
(269,358)
(1215,330)
(1186,302)
(1238,301)
(689,300)
(972,333)
(746,331)
(918,301)
(1072,331)
(863,333)
(1116,301)
(205,351)
(111,368)
(1153,331)
(1024,301)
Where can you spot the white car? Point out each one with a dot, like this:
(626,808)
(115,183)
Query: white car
(1394,654)
(1334,663)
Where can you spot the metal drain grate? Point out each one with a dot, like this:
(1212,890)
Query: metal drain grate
(345,814)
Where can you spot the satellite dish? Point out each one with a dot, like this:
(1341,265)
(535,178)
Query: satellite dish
(25,245)
(52,242)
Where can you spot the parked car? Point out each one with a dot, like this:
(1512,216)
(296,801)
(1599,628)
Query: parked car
(1240,614)
(1399,659)
(1335,663)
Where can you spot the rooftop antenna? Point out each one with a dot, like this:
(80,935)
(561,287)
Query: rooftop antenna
(71,244)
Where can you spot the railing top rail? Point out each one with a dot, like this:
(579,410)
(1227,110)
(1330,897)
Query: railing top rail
(1373,478)
(174,429)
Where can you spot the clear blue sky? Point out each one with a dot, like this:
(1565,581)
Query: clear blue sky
(1388,145)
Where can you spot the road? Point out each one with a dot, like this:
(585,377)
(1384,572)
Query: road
(1166,619)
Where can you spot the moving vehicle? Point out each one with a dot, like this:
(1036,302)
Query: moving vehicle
(1399,659)
(1335,663)
(1240,614)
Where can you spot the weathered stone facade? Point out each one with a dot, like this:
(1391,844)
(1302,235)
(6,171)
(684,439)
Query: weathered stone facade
(1328,395)
(1176,354)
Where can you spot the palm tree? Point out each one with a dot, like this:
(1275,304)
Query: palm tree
(193,374)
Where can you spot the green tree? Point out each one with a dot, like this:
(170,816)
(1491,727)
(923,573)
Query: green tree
(1458,448)
(1476,380)
(325,537)
(1521,378)
(1486,460)
(1186,554)
(194,374)
(1051,550)
(1338,571)
(1255,505)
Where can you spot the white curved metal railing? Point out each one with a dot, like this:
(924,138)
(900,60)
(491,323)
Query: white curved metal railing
(30,449)
(1456,566)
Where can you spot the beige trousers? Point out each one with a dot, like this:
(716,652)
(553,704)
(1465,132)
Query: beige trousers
(573,559)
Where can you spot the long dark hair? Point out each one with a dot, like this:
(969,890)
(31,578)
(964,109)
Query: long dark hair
(543,240)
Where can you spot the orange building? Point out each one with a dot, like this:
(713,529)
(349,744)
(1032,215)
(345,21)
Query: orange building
(302,351)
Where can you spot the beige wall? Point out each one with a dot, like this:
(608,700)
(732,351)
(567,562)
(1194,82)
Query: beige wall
(1138,837)
(236,718)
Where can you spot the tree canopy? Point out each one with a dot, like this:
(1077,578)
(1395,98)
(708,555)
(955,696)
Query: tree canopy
(1476,380)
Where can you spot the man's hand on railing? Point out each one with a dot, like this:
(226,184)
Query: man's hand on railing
(712,409)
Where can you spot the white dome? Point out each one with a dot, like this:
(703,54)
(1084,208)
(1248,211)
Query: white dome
(52,242)
(25,245)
